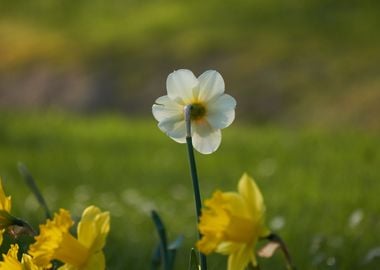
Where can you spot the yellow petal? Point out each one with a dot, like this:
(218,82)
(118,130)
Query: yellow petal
(93,228)
(5,202)
(227,248)
(236,204)
(10,261)
(96,262)
(241,257)
(12,252)
(252,195)
(62,221)
(255,203)
(208,243)
(50,238)
(28,264)
(214,217)
(1,236)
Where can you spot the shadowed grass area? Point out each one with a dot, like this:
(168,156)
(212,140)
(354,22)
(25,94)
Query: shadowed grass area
(320,187)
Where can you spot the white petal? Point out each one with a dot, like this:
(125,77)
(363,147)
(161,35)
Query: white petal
(205,139)
(174,128)
(163,100)
(166,108)
(211,85)
(221,112)
(182,86)
(179,140)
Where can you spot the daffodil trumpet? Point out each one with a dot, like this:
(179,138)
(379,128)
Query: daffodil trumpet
(194,176)
(55,242)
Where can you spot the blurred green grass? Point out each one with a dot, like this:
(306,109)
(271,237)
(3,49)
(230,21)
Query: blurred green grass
(305,61)
(320,187)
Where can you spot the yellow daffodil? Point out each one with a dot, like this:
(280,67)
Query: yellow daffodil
(15,227)
(82,253)
(11,262)
(231,223)
(5,201)
(211,109)
(5,205)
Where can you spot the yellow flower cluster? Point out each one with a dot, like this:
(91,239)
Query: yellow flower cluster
(55,242)
(232,222)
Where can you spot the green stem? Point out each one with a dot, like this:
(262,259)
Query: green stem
(197,195)
(194,176)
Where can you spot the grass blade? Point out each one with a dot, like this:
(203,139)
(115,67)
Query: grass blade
(31,183)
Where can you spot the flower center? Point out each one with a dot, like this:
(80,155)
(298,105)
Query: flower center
(198,111)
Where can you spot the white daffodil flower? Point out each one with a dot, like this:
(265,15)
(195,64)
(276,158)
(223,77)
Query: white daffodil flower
(211,109)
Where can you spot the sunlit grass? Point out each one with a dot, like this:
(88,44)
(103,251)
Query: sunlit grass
(321,187)
(317,59)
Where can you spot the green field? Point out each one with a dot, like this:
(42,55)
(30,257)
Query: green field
(306,78)
(287,62)
(320,187)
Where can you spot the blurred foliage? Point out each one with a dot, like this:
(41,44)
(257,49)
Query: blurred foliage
(309,63)
(320,187)
(293,62)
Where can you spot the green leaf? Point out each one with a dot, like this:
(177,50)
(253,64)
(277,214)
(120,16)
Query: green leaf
(176,243)
(194,262)
(29,180)
(156,258)
(163,240)
(172,249)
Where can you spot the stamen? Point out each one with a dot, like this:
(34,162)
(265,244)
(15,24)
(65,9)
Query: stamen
(198,111)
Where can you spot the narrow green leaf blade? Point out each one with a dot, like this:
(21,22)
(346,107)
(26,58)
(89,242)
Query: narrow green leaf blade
(29,180)
(194,262)
(162,237)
